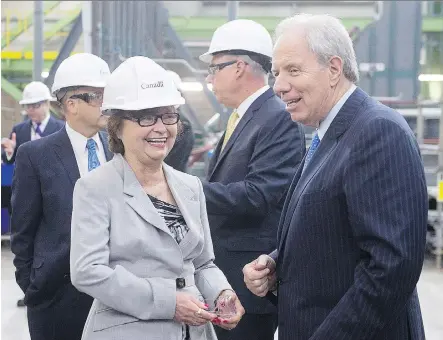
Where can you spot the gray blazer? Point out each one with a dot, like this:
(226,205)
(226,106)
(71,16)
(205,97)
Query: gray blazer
(123,255)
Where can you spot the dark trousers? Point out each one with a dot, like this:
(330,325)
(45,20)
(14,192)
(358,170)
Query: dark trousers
(62,318)
(251,327)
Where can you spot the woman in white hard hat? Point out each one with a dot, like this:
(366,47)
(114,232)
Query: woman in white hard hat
(140,242)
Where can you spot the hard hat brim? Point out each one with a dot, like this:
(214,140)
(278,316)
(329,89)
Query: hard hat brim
(141,105)
(92,84)
(206,57)
(35,100)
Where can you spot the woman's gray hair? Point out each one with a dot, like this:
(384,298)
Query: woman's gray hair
(326,37)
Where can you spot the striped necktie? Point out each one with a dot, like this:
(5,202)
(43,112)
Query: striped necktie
(314,145)
(230,127)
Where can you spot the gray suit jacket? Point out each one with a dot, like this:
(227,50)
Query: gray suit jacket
(124,256)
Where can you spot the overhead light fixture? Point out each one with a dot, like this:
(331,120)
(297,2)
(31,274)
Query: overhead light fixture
(430,77)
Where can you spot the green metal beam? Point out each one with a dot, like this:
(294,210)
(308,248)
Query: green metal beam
(48,7)
(57,27)
(11,89)
(204,27)
(23,66)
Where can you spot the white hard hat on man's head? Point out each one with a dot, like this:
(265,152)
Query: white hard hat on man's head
(81,69)
(241,35)
(140,83)
(35,92)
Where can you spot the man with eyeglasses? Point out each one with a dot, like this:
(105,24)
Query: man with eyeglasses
(252,166)
(35,101)
(42,188)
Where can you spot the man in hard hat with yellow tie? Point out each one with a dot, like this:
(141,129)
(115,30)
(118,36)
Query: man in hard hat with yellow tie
(42,187)
(252,166)
(35,101)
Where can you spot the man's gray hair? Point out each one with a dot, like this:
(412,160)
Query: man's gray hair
(326,37)
(257,69)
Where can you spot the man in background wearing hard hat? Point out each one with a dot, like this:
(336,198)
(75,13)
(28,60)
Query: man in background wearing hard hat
(36,97)
(42,187)
(252,166)
(35,101)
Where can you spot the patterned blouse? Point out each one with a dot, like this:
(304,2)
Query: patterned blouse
(178,229)
(173,218)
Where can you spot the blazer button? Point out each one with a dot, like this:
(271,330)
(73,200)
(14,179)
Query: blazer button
(180,283)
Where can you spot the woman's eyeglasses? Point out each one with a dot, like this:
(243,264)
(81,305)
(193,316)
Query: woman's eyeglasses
(149,120)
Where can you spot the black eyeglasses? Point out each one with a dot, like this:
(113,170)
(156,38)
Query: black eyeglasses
(94,98)
(33,105)
(149,120)
(213,68)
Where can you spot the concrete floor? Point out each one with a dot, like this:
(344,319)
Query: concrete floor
(14,324)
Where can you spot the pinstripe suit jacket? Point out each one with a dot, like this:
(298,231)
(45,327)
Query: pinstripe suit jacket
(352,234)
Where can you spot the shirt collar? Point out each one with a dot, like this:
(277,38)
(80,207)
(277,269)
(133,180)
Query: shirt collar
(324,125)
(78,140)
(244,106)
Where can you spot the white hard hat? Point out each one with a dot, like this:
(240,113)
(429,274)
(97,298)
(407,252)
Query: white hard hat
(176,78)
(140,83)
(35,92)
(241,34)
(81,69)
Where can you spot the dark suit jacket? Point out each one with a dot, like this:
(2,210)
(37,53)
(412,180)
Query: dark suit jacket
(23,134)
(179,155)
(246,184)
(352,234)
(42,187)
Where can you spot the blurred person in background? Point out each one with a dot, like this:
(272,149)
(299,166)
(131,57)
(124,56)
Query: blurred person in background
(36,102)
(179,155)
(352,235)
(140,243)
(43,182)
(252,166)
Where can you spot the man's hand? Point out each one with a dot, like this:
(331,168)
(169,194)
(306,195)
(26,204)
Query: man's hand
(9,144)
(260,276)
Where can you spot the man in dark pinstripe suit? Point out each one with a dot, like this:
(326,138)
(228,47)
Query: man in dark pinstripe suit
(351,238)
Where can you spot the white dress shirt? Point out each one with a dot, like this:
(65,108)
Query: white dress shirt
(78,142)
(43,125)
(326,123)
(244,106)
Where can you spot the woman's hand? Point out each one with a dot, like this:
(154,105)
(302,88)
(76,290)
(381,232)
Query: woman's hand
(191,311)
(231,298)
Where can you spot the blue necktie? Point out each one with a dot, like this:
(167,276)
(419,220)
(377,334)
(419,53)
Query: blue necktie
(93,161)
(314,145)
(37,130)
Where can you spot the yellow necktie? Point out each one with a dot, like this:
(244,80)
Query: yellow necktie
(230,127)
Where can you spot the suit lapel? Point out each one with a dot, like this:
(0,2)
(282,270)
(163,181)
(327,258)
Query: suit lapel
(325,149)
(104,139)
(136,197)
(50,128)
(65,153)
(241,125)
(26,132)
(189,205)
